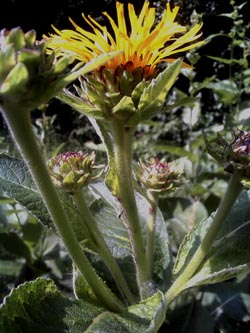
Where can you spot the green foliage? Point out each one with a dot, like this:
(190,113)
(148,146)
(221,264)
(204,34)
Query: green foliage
(218,292)
(18,184)
(40,306)
(229,255)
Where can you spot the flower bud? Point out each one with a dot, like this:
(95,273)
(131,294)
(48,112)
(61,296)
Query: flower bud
(108,95)
(234,155)
(28,76)
(160,176)
(73,170)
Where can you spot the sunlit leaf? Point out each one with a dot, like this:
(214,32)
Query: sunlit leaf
(38,306)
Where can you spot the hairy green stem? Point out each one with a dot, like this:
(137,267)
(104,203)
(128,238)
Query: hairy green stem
(153,201)
(122,137)
(101,246)
(19,124)
(233,190)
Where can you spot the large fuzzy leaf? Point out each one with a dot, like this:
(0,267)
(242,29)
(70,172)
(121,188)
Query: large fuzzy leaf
(17,183)
(225,262)
(230,253)
(190,243)
(163,264)
(108,214)
(40,307)
(104,134)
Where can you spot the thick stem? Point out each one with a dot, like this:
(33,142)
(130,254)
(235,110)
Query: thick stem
(101,246)
(123,162)
(232,193)
(20,127)
(153,201)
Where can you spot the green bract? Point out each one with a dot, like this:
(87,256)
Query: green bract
(28,76)
(124,95)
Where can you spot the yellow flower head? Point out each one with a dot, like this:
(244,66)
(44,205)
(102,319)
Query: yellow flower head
(144,43)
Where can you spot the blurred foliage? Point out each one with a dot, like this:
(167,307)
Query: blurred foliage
(214,96)
(28,250)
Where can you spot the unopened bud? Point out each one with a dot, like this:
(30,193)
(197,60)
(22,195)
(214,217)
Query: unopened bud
(73,170)
(159,176)
(234,154)
(29,77)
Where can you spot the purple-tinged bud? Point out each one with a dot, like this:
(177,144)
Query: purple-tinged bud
(158,175)
(73,170)
(234,155)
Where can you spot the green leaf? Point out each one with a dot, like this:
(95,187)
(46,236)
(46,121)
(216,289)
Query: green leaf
(108,214)
(16,182)
(191,116)
(116,236)
(154,94)
(190,243)
(72,212)
(231,298)
(38,306)
(15,246)
(230,253)
(189,317)
(185,214)
(163,263)
(225,262)
(147,317)
(244,116)
(227,90)
(173,150)
(11,268)
(224,60)
(81,287)
(182,101)
(238,216)
(111,180)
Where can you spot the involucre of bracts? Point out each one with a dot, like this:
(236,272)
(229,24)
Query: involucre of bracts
(234,155)
(72,171)
(29,76)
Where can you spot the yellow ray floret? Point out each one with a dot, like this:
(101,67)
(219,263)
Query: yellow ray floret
(143,42)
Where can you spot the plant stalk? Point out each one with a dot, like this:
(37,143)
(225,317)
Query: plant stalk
(101,246)
(233,190)
(122,137)
(19,124)
(153,201)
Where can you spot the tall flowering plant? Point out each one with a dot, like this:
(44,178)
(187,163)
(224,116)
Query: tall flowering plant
(125,277)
